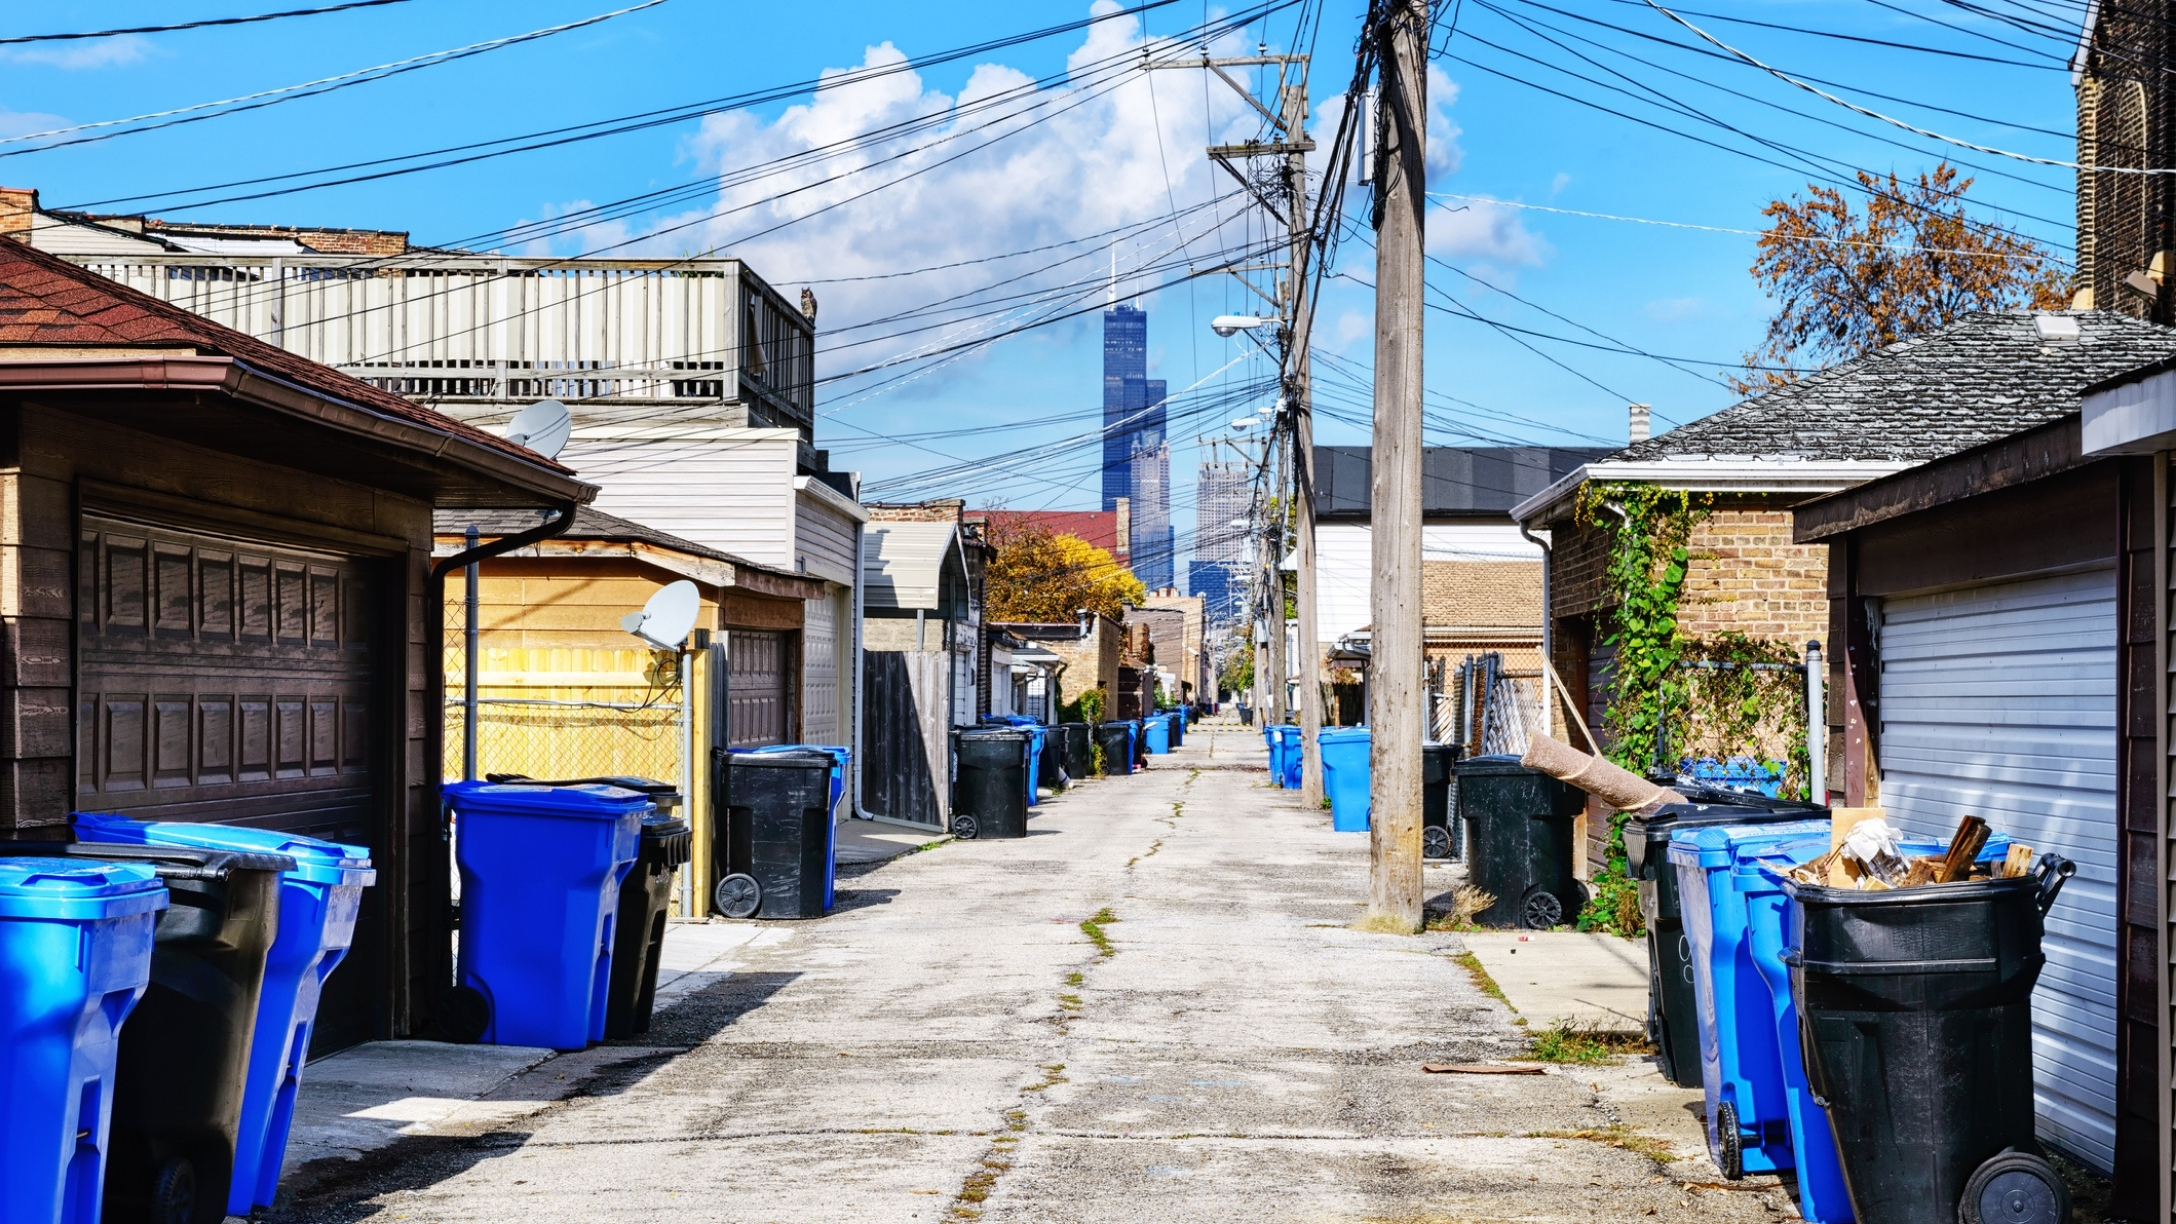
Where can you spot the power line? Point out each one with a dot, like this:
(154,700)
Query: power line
(197,25)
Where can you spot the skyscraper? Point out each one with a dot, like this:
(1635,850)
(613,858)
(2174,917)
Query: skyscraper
(1217,573)
(1136,456)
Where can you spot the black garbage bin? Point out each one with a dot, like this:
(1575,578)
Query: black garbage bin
(184,1055)
(772,850)
(1915,1015)
(1672,1024)
(989,783)
(638,934)
(1116,740)
(1178,727)
(1519,841)
(1050,767)
(1438,823)
(1079,749)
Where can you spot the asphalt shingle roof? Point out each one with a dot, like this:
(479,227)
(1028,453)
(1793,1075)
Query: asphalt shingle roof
(45,300)
(1987,376)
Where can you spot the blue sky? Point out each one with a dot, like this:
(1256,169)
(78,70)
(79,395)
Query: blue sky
(1116,150)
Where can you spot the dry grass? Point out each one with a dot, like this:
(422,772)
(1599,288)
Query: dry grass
(1562,1043)
(1466,902)
(1386,924)
(1623,1137)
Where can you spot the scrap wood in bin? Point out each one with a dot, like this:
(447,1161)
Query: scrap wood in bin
(1867,859)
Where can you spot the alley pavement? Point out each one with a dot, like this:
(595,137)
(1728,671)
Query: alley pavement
(1153,1008)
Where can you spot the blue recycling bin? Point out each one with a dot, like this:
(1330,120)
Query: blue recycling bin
(319,900)
(1275,745)
(1741,1068)
(842,763)
(75,956)
(1295,754)
(1345,776)
(1157,730)
(541,868)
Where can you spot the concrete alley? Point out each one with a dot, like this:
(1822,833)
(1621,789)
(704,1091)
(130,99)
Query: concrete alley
(1151,1009)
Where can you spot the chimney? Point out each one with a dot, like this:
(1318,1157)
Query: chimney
(1087,621)
(1639,414)
(17,206)
(1124,545)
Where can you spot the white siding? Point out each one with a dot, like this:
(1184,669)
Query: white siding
(823,540)
(2000,702)
(902,564)
(1343,573)
(731,489)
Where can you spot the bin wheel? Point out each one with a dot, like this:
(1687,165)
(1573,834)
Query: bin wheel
(1729,1142)
(738,896)
(2014,1187)
(463,1015)
(1435,842)
(1540,910)
(964,827)
(173,1193)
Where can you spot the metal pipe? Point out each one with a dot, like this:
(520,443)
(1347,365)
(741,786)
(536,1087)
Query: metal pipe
(468,677)
(1816,726)
(1548,626)
(687,768)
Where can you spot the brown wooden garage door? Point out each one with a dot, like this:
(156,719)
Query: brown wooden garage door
(759,687)
(227,680)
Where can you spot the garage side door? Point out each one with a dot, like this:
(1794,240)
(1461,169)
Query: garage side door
(2000,702)
(758,672)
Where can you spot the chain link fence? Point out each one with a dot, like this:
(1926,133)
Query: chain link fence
(567,738)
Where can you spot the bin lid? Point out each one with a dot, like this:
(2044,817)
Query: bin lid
(593,800)
(168,862)
(1720,845)
(998,734)
(1339,735)
(1484,766)
(782,758)
(316,861)
(86,890)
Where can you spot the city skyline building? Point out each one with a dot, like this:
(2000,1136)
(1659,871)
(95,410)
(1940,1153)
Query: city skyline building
(1223,495)
(1136,453)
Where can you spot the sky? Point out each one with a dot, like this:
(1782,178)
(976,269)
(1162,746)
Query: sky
(1595,168)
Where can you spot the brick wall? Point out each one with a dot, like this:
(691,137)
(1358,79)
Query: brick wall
(1746,576)
(1497,594)
(942,510)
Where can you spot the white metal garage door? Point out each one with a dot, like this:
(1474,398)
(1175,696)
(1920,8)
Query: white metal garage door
(2000,702)
(820,671)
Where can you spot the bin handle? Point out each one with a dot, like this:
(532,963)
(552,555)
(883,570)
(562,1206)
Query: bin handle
(1792,958)
(2048,877)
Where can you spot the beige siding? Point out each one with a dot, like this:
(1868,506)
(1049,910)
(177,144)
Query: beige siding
(823,542)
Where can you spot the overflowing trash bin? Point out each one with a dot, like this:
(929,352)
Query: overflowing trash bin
(1671,1023)
(318,902)
(1079,741)
(1741,1069)
(75,958)
(541,869)
(988,785)
(1116,740)
(182,1065)
(1438,820)
(1519,841)
(1345,776)
(774,842)
(1915,1010)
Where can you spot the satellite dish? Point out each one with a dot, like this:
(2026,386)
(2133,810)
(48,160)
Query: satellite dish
(543,427)
(665,620)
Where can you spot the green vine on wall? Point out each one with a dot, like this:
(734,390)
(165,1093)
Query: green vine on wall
(1648,528)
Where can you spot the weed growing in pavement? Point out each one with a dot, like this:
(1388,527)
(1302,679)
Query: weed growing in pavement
(1070,1002)
(1053,1075)
(1093,929)
(1073,979)
(1386,924)
(1487,985)
(1154,846)
(1562,1043)
(1623,1137)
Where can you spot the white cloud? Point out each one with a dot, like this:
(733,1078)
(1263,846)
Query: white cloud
(1090,154)
(1674,310)
(1350,326)
(22,123)
(91,53)
(1444,155)
(1478,229)
(1559,183)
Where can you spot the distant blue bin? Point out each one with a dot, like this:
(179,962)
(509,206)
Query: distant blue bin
(842,762)
(1284,754)
(1272,741)
(75,956)
(318,903)
(1295,754)
(541,868)
(1157,731)
(1345,776)
(1741,1069)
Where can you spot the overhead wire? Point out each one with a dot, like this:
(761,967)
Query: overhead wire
(200,24)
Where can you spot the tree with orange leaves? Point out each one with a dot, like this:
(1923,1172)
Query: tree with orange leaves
(1850,282)
(1038,576)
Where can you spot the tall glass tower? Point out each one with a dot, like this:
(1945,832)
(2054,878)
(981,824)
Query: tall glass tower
(1136,456)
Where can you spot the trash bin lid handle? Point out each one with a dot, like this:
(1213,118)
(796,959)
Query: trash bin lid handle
(2053,870)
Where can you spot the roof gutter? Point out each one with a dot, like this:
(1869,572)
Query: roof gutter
(1806,477)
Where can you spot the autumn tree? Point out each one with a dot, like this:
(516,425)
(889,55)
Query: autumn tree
(1038,576)
(1849,281)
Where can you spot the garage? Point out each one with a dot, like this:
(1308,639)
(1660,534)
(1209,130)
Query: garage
(759,686)
(1999,701)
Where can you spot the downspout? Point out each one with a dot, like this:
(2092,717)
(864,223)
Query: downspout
(861,753)
(505,544)
(1548,627)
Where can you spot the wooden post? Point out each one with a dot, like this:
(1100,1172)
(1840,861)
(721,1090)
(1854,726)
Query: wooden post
(1396,693)
(1273,549)
(1298,394)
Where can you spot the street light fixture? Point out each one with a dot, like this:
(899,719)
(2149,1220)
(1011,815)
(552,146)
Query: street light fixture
(1244,422)
(1227,325)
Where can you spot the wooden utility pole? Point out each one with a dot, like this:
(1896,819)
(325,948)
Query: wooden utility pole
(1273,561)
(1300,309)
(1397,696)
